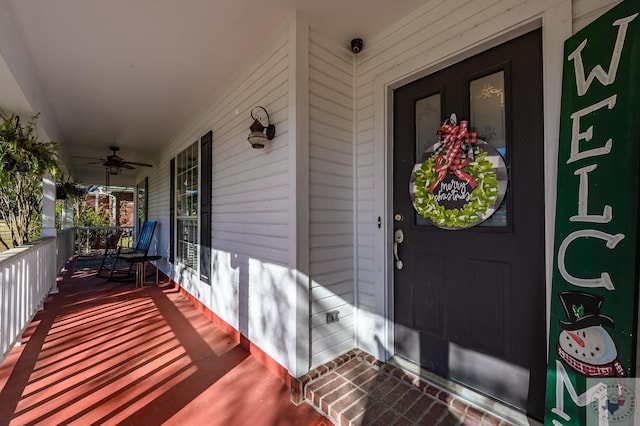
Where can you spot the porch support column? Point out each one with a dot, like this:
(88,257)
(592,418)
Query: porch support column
(67,214)
(49,226)
(299,299)
(48,207)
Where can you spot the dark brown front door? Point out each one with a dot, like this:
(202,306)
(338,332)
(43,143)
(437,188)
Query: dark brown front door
(470,304)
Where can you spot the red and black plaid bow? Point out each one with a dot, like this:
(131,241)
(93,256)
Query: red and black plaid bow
(456,140)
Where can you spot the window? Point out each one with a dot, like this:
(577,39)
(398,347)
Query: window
(187,206)
(190,207)
(487,105)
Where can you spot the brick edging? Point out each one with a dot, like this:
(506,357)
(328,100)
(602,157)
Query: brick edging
(437,393)
(298,384)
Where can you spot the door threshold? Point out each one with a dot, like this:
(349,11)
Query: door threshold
(492,405)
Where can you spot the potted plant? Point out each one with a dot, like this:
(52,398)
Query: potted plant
(69,190)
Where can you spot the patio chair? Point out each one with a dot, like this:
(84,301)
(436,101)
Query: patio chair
(109,244)
(128,257)
(109,241)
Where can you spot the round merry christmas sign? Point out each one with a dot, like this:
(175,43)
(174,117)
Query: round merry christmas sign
(461,181)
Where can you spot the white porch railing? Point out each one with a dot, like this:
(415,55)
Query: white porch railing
(85,236)
(27,273)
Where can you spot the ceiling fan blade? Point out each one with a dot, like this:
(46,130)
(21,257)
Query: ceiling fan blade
(137,164)
(88,158)
(126,166)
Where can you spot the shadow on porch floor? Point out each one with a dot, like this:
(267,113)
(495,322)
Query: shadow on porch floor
(108,353)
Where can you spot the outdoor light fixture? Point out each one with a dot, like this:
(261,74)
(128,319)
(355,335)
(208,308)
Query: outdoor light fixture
(259,133)
(113,170)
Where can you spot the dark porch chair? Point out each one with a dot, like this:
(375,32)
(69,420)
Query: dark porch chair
(122,265)
(109,245)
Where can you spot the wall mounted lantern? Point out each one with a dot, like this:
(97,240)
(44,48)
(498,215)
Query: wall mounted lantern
(259,132)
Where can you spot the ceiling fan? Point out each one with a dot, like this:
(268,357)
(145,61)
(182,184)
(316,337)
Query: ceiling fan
(114,163)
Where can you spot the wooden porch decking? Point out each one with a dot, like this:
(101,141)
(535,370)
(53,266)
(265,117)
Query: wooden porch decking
(109,353)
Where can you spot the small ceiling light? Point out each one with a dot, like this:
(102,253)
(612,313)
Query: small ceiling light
(259,133)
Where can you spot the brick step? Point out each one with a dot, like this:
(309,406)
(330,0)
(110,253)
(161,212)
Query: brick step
(356,389)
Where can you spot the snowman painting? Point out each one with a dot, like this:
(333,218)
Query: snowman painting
(584,344)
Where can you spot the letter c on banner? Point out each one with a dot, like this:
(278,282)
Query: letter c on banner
(605,279)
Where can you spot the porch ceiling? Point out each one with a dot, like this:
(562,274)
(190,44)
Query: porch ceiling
(130,73)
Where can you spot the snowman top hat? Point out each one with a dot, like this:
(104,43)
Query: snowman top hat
(582,310)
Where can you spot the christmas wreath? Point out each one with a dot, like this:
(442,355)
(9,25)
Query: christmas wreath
(457,185)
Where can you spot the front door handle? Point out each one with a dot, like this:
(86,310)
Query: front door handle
(398,239)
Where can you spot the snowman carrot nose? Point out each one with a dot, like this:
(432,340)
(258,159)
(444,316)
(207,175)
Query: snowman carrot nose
(576,338)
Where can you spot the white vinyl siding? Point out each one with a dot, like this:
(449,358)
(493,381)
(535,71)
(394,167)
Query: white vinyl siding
(585,11)
(250,207)
(253,197)
(331,196)
(249,284)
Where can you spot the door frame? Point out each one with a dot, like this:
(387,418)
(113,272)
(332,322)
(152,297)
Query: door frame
(555,19)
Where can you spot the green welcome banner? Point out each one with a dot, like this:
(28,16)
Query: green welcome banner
(592,336)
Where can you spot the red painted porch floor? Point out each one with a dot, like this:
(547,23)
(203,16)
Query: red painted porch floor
(108,353)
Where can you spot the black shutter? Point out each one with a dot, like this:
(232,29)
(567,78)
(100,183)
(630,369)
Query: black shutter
(172,209)
(205,207)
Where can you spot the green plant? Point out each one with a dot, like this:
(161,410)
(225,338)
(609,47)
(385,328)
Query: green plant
(481,199)
(87,216)
(70,190)
(23,163)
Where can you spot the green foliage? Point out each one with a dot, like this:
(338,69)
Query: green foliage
(482,197)
(70,190)
(20,150)
(58,215)
(74,192)
(87,216)
(23,163)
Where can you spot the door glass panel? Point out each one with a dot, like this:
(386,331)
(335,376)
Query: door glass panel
(487,107)
(428,114)
(428,117)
